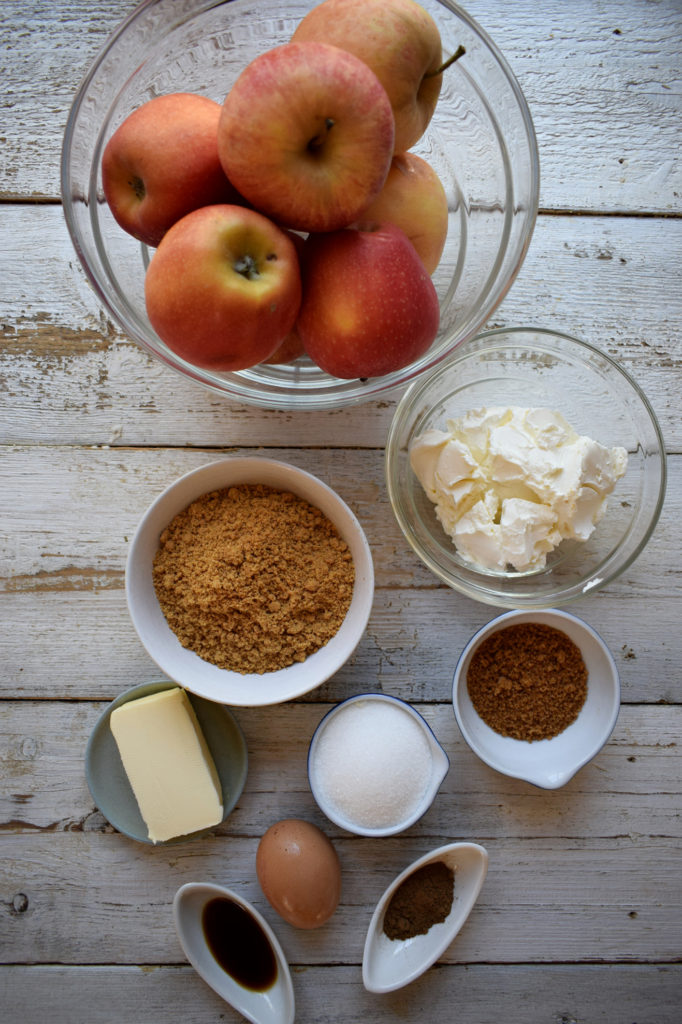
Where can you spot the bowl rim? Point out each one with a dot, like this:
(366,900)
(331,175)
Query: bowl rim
(441,765)
(557,615)
(497,339)
(331,393)
(277,686)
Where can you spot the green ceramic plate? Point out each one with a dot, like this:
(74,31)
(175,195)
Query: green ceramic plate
(108,781)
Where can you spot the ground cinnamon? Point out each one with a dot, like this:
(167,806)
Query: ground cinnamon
(527,681)
(253,579)
(423,899)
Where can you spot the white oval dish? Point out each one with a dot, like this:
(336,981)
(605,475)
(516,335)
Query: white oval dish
(107,779)
(439,765)
(186,667)
(276,1004)
(548,763)
(389,964)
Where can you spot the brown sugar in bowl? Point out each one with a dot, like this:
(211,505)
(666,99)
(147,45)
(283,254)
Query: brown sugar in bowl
(200,675)
(572,727)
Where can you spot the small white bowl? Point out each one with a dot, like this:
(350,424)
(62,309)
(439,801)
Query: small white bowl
(186,667)
(274,1005)
(388,964)
(364,764)
(552,762)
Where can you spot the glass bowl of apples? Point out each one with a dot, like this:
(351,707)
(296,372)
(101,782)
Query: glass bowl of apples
(432,244)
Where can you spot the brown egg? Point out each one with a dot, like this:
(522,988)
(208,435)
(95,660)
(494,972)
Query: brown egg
(299,872)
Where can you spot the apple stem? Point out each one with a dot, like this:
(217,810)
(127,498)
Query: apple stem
(459,52)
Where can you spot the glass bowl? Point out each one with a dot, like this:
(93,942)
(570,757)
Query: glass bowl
(534,367)
(481,142)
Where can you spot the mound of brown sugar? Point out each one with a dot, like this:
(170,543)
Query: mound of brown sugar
(253,579)
(528,681)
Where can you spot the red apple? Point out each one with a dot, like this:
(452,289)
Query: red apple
(414,199)
(369,306)
(223,289)
(306,135)
(162,162)
(289,350)
(292,347)
(399,41)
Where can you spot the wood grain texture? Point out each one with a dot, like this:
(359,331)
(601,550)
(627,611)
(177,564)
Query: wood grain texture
(98,899)
(43,747)
(471,994)
(597,73)
(63,587)
(607,280)
(579,919)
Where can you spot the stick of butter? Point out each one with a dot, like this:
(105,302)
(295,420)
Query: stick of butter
(168,764)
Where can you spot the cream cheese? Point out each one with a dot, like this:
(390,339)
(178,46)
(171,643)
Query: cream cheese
(509,484)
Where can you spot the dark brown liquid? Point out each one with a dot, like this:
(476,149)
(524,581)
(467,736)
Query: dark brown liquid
(239,944)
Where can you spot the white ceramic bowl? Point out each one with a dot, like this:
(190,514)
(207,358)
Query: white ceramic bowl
(528,367)
(552,762)
(481,142)
(273,1005)
(186,667)
(366,763)
(388,964)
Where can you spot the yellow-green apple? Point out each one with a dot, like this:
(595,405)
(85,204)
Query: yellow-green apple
(369,307)
(306,135)
(414,199)
(399,40)
(162,162)
(223,289)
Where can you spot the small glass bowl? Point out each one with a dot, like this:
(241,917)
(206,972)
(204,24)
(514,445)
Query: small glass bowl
(356,772)
(528,367)
(481,141)
(548,763)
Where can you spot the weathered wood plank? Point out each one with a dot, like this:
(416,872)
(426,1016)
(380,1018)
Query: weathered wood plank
(471,994)
(607,280)
(410,648)
(42,748)
(87,897)
(62,583)
(596,75)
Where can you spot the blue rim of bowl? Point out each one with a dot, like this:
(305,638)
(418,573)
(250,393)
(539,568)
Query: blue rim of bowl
(482,592)
(510,616)
(346,823)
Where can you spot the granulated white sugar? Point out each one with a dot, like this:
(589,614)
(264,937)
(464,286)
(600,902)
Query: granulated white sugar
(373,763)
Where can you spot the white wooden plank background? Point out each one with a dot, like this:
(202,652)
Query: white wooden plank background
(579,920)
